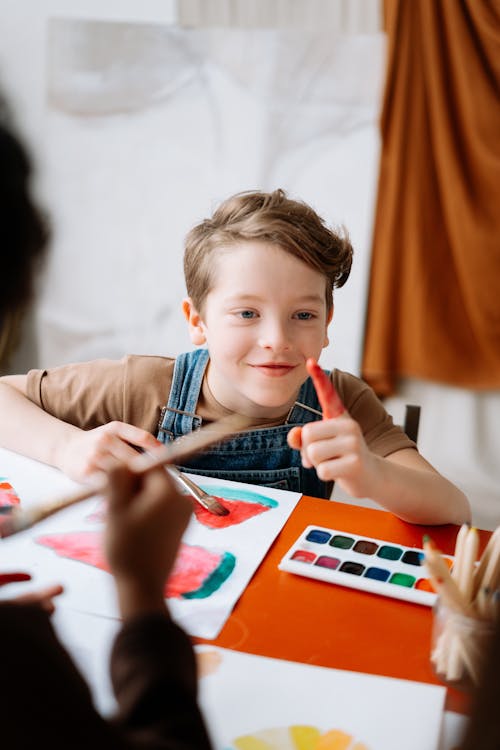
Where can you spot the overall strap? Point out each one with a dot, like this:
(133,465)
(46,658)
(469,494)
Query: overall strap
(180,412)
(307,407)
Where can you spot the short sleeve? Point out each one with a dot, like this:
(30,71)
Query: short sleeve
(90,394)
(382,436)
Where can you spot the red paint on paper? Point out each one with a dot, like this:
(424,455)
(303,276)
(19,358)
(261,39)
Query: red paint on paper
(197,571)
(8,496)
(239,511)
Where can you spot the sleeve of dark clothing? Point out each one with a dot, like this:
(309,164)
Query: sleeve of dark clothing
(44,700)
(153,671)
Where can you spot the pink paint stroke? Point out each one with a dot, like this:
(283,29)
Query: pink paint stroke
(193,566)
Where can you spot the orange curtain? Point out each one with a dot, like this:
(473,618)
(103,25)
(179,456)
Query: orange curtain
(434,298)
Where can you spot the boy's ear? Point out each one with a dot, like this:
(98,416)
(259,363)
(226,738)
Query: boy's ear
(328,321)
(195,323)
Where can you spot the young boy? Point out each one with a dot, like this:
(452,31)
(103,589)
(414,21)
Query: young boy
(260,275)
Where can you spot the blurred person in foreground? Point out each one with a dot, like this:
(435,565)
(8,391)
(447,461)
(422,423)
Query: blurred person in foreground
(45,701)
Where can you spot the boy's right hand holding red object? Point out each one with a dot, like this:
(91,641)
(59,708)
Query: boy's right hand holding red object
(402,482)
(335,446)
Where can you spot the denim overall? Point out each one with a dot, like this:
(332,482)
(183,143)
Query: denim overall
(260,456)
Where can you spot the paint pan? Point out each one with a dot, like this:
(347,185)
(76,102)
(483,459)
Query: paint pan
(361,562)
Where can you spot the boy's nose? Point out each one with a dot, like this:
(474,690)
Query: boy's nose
(275,336)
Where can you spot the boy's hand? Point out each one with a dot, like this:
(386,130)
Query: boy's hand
(338,451)
(335,446)
(88,452)
(146,519)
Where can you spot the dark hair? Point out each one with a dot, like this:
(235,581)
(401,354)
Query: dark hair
(270,217)
(24,231)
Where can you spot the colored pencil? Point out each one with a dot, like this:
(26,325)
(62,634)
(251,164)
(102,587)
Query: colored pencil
(459,550)
(466,579)
(446,652)
(463,628)
(441,578)
(482,602)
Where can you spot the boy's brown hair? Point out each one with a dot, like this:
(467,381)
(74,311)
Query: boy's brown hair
(266,217)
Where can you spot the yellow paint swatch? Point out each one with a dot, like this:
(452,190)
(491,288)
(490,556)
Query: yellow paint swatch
(251,742)
(298,737)
(304,737)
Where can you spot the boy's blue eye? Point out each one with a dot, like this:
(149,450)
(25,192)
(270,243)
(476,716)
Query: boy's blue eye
(304,315)
(247,314)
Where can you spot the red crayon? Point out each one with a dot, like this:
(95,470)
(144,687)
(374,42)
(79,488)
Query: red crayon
(329,399)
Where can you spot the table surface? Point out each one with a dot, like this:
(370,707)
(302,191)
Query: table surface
(287,616)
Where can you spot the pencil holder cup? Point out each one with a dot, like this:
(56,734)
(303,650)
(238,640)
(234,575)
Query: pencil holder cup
(459,646)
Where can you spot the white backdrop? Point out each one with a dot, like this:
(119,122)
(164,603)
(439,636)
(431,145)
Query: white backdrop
(149,127)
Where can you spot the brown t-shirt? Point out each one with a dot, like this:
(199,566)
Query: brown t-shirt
(134,390)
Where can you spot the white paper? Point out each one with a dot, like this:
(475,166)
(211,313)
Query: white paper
(91,590)
(247,695)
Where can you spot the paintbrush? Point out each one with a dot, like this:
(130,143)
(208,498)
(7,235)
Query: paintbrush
(182,448)
(209,502)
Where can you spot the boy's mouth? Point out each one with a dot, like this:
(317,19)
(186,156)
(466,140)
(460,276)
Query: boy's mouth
(274,369)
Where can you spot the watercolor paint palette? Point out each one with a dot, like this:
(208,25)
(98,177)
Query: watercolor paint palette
(361,562)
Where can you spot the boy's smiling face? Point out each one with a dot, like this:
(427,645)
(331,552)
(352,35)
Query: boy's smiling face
(264,316)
